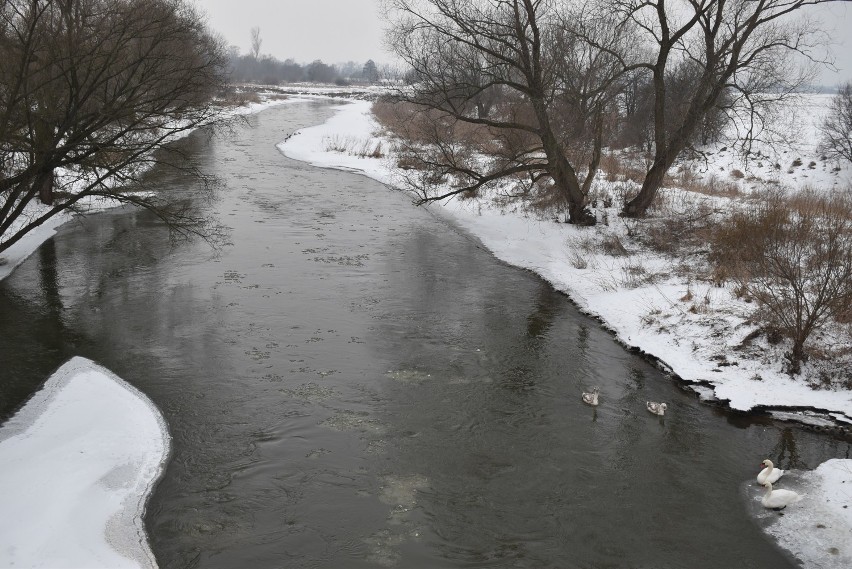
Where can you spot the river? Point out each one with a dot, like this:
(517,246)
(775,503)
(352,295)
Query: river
(353,382)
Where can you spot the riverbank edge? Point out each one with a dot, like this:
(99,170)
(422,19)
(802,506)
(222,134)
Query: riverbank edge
(12,257)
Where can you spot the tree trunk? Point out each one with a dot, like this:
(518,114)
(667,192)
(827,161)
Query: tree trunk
(652,182)
(45,189)
(596,153)
(560,169)
(568,185)
(796,356)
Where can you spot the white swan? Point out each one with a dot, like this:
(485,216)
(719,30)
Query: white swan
(591,398)
(656,408)
(778,499)
(770,473)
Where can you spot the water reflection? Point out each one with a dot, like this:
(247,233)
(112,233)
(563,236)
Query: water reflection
(786,452)
(49,281)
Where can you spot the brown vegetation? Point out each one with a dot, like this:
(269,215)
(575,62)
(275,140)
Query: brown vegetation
(793,255)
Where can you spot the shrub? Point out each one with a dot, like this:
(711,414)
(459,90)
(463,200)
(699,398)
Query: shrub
(794,257)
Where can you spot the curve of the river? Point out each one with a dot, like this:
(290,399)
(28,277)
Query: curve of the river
(355,383)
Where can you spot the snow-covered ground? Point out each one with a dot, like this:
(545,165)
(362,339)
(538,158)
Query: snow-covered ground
(79,461)
(818,529)
(692,329)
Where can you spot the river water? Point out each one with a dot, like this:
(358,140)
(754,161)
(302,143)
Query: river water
(353,382)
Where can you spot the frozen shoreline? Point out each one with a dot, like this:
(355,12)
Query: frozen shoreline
(80,460)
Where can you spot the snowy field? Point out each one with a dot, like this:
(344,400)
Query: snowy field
(79,462)
(655,318)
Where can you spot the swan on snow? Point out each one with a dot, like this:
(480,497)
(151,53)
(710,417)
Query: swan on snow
(778,499)
(769,473)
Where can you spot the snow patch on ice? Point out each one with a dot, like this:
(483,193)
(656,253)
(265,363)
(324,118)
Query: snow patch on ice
(817,530)
(79,462)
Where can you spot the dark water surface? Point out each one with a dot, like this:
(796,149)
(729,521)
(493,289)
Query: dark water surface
(353,383)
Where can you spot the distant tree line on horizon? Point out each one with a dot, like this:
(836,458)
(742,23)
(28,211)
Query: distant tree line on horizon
(268,70)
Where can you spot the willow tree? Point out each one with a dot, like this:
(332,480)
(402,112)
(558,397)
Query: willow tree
(741,54)
(91,92)
(512,73)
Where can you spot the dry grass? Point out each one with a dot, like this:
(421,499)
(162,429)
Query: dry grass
(621,168)
(612,246)
(710,185)
(578,261)
(422,126)
(635,275)
(680,222)
(793,256)
(353,146)
(236,97)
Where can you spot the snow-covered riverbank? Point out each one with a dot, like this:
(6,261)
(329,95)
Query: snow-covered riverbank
(79,462)
(652,317)
(687,342)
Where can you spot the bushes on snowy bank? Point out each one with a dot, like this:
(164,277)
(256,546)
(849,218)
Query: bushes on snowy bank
(793,256)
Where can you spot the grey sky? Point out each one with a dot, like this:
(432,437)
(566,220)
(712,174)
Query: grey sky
(351,30)
(334,31)
(837,19)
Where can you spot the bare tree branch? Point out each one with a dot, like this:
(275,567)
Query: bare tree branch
(93,92)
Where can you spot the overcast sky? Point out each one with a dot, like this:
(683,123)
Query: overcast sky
(334,31)
(337,31)
(837,17)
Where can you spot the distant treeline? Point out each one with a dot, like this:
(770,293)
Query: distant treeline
(268,70)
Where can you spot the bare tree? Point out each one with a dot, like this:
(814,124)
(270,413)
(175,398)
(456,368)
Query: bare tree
(90,90)
(794,256)
(256,42)
(513,72)
(738,53)
(836,128)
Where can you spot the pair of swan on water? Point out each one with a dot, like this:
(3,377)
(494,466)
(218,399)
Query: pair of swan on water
(591,398)
(774,499)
